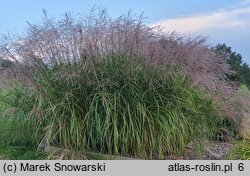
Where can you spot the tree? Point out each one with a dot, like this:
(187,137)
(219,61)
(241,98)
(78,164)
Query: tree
(235,60)
(5,63)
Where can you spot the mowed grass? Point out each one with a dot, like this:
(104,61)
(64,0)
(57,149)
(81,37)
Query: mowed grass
(113,105)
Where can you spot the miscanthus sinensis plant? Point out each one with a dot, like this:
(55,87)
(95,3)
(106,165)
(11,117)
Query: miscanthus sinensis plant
(114,86)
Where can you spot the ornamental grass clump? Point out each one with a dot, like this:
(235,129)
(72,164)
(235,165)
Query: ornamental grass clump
(119,106)
(113,86)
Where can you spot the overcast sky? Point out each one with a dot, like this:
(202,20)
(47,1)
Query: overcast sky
(223,21)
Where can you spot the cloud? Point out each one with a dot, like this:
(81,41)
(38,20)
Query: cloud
(230,26)
(235,17)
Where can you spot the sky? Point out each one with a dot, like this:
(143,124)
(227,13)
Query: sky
(222,21)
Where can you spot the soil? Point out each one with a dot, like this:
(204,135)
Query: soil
(213,150)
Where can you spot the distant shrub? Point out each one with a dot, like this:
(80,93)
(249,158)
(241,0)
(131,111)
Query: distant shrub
(6,63)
